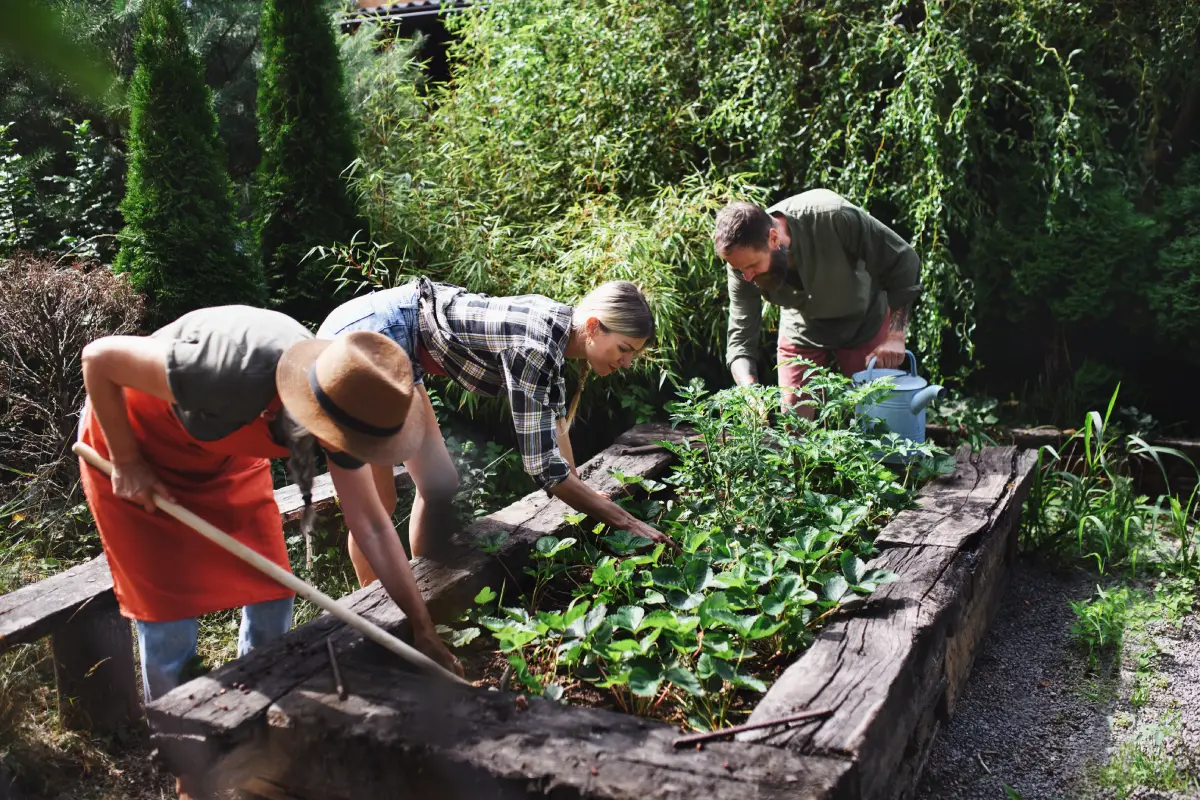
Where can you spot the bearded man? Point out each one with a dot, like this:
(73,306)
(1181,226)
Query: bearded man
(844,282)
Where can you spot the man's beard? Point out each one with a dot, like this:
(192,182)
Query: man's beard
(776,272)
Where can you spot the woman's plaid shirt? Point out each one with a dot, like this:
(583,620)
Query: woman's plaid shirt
(494,345)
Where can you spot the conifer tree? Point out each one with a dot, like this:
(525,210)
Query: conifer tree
(307,143)
(181,243)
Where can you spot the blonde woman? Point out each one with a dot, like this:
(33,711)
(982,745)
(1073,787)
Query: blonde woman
(515,346)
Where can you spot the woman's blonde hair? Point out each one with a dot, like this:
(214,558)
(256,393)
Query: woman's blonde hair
(621,308)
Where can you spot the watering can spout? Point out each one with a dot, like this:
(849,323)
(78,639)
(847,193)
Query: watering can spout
(923,398)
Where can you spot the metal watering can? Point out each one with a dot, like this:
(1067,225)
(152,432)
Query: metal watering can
(903,411)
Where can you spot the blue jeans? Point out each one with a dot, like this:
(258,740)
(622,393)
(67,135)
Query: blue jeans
(392,312)
(167,647)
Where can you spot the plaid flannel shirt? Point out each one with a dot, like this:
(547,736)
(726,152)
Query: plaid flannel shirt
(493,345)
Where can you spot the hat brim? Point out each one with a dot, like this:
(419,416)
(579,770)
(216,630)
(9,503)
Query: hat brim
(291,381)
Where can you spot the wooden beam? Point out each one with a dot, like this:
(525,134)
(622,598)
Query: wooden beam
(98,690)
(397,736)
(200,723)
(324,497)
(37,610)
(896,665)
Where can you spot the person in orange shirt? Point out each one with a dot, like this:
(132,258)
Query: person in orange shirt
(194,412)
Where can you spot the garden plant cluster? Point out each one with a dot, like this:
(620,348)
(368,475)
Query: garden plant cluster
(774,528)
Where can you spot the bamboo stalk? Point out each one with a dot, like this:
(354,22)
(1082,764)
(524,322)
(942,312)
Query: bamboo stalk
(269,568)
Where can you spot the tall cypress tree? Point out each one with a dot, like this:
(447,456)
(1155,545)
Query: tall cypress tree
(181,242)
(307,142)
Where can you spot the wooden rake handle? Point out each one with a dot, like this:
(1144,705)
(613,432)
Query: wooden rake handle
(269,568)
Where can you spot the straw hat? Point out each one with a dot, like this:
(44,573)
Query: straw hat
(355,393)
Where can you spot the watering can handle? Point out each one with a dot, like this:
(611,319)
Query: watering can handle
(912,366)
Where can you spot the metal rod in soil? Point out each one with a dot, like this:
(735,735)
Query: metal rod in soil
(697,738)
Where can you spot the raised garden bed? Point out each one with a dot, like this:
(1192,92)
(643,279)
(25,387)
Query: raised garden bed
(890,671)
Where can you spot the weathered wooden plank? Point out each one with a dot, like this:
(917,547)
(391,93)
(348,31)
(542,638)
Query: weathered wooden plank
(98,689)
(37,610)
(396,736)
(214,713)
(888,670)
(985,572)
(291,503)
(952,510)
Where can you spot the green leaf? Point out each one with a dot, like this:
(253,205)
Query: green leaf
(660,619)
(654,598)
(605,573)
(628,618)
(836,588)
(749,682)
(576,611)
(715,601)
(684,601)
(624,543)
(805,597)
(853,568)
(486,595)
(492,542)
(550,546)
(684,679)
(574,519)
(880,576)
(764,628)
(594,618)
(787,586)
(698,574)
(458,638)
(773,605)
(667,577)
(741,624)
(643,682)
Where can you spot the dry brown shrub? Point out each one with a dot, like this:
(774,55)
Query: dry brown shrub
(48,312)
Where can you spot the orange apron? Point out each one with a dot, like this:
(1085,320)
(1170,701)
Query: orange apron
(163,570)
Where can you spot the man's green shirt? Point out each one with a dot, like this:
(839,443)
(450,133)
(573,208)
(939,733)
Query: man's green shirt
(845,270)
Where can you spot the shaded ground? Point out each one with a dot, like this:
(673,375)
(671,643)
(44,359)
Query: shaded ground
(1037,722)
(1032,717)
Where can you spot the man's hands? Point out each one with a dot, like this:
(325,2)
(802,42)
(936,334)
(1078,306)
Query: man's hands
(429,643)
(889,354)
(135,481)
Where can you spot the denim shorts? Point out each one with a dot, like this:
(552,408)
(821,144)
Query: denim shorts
(392,312)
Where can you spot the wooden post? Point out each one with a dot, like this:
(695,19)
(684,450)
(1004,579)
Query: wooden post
(93,665)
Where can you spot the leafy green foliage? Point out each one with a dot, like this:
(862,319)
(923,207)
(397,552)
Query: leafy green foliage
(588,140)
(774,527)
(1100,621)
(181,244)
(1085,501)
(970,419)
(83,203)
(307,142)
(15,193)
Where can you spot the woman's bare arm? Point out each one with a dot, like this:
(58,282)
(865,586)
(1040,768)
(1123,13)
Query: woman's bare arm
(377,539)
(110,366)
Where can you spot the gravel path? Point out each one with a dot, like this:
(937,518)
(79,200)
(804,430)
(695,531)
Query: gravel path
(1031,716)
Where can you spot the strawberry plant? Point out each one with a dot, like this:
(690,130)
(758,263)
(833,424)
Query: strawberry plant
(774,527)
